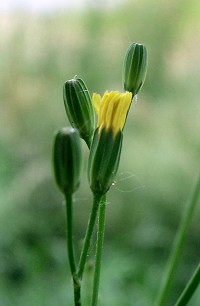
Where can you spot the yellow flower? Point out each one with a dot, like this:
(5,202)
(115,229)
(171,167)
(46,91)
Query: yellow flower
(106,147)
(112,109)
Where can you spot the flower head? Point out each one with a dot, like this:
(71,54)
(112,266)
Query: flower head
(105,152)
(112,109)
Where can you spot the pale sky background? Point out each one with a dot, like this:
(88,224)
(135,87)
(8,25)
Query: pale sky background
(48,5)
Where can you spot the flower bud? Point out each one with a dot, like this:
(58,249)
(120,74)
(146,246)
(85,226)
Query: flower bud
(79,108)
(135,68)
(67,159)
(104,159)
(105,152)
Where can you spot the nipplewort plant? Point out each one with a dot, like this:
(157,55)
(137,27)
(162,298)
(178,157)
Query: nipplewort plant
(104,141)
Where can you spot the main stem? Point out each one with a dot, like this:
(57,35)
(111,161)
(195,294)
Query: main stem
(99,248)
(70,250)
(89,231)
(178,244)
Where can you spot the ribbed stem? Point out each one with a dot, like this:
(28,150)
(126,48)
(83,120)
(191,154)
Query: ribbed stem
(99,248)
(178,244)
(190,288)
(89,231)
(70,250)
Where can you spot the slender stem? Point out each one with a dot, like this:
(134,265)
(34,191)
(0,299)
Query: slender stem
(99,248)
(178,244)
(69,225)
(190,288)
(88,235)
(70,250)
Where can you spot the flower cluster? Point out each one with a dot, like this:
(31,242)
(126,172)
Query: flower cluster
(104,140)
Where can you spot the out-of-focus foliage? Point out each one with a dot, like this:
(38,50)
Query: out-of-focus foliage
(160,157)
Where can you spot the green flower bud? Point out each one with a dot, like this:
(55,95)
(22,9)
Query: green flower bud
(67,159)
(79,108)
(135,68)
(104,159)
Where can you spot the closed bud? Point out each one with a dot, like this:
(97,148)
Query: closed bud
(135,68)
(67,159)
(79,108)
(104,160)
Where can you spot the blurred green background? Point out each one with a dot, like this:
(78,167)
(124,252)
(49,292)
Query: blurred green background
(159,163)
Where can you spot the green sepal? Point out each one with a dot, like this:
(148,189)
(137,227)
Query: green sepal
(104,160)
(67,160)
(79,108)
(135,68)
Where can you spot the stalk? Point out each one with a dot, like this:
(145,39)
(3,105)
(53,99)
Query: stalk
(99,248)
(70,250)
(88,235)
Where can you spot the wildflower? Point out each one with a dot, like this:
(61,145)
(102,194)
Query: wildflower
(105,152)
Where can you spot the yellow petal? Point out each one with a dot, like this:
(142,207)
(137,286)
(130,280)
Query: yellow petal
(96,101)
(112,109)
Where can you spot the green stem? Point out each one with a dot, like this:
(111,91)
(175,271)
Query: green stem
(70,250)
(99,248)
(190,288)
(178,244)
(88,235)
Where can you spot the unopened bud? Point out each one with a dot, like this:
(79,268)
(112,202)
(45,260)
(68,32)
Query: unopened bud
(67,159)
(79,108)
(135,68)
